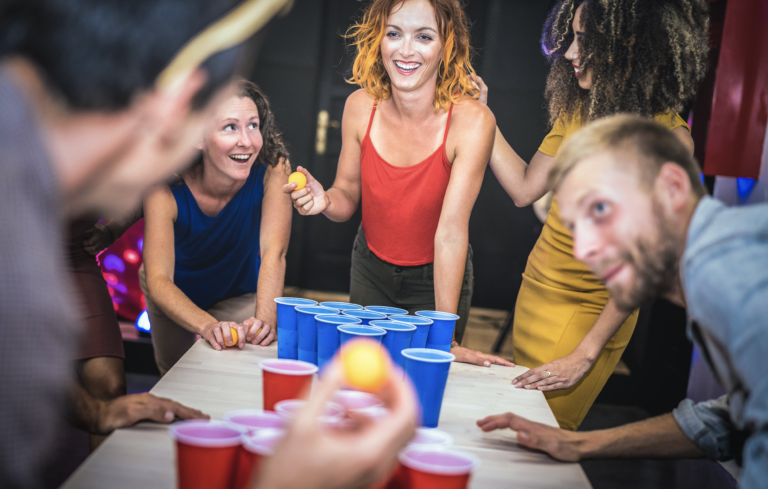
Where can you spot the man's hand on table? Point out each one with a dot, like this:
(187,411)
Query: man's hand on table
(465,355)
(558,443)
(258,332)
(128,410)
(360,455)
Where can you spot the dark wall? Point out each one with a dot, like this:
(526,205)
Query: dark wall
(506,36)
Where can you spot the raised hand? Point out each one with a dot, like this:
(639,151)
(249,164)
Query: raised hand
(480,86)
(97,239)
(310,200)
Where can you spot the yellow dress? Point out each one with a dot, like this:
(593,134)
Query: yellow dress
(560,300)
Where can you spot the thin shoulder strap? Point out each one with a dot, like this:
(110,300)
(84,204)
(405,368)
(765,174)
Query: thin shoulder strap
(373,112)
(448,124)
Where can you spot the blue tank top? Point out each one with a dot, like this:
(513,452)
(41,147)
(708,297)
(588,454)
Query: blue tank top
(218,257)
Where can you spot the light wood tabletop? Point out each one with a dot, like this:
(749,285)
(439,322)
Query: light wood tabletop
(218,382)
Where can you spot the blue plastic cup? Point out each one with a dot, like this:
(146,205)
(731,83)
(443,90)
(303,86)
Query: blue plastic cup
(389,311)
(428,370)
(350,331)
(287,327)
(423,326)
(365,316)
(305,317)
(441,332)
(328,339)
(342,306)
(397,339)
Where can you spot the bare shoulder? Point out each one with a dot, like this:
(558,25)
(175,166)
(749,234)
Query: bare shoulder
(282,168)
(469,114)
(160,202)
(359,104)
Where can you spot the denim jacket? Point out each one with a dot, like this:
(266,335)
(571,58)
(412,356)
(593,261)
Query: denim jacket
(724,273)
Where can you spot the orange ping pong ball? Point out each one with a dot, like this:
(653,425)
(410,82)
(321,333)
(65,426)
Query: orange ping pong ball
(234,337)
(366,367)
(299,179)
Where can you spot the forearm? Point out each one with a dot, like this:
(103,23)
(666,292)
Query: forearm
(340,205)
(270,285)
(450,261)
(607,324)
(177,306)
(658,437)
(514,174)
(85,410)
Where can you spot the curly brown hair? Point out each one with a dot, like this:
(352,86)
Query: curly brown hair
(646,57)
(273,151)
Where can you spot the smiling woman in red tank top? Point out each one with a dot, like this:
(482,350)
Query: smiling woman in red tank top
(415,145)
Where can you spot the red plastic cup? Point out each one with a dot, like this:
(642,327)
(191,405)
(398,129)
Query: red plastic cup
(287,409)
(424,436)
(285,379)
(436,467)
(255,420)
(356,400)
(254,449)
(206,453)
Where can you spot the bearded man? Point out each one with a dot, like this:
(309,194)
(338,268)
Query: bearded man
(641,220)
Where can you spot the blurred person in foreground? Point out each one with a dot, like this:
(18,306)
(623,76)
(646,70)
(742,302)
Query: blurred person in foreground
(85,127)
(630,192)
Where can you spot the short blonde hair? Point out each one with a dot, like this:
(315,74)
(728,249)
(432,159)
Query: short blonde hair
(653,143)
(453,77)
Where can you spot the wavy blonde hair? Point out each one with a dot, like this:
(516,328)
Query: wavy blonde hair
(452,80)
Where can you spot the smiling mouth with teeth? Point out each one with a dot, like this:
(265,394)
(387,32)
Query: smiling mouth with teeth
(406,68)
(240,158)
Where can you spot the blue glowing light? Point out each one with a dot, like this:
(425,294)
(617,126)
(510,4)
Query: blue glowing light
(142,322)
(111,262)
(744,186)
(141,244)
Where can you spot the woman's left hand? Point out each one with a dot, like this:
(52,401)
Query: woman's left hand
(480,86)
(555,375)
(465,355)
(258,332)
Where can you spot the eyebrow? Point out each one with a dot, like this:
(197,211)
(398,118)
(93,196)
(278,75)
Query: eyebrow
(417,30)
(237,120)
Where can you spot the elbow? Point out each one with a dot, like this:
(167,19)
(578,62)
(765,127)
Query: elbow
(519,202)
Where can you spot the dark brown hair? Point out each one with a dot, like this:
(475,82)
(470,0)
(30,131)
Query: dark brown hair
(646,57)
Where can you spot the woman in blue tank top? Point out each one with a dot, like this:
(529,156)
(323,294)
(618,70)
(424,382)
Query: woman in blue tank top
(215,240)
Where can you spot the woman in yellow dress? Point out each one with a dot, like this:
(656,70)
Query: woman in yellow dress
(608,56)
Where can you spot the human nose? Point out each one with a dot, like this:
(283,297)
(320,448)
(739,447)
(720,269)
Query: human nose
(244,139)
(406,47)
(586,243)
(573,50)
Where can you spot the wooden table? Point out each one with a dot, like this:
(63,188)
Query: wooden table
(217,382)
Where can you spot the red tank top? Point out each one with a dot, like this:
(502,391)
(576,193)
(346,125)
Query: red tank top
(402,205)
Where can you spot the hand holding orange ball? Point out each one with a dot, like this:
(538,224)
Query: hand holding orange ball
(299,179)
(365,364)
(233,331)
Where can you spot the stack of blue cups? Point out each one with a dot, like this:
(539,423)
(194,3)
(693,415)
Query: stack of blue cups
(328,339)
(342,306)
(287,326)
(308,330)
(365,316)
(423,326)
(389,311)
(350,331)
(428,370)
(441,332)
(397,339)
